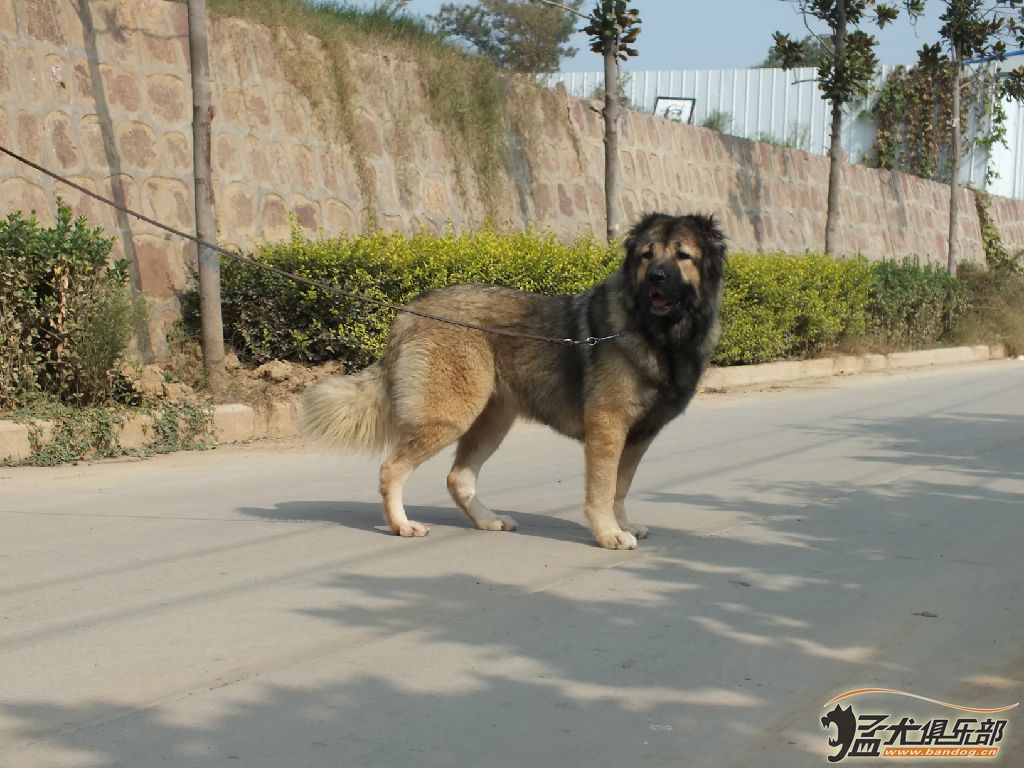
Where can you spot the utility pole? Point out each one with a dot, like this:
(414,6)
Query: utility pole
(206,220)
(954,172)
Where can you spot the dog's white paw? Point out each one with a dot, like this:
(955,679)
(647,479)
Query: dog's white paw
(616,539)
(411,529)
(640,531)
(499,523)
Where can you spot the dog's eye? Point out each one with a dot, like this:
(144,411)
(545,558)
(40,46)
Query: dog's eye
(645,255)
(683,256)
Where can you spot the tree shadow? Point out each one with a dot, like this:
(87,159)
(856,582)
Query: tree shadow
(681,653)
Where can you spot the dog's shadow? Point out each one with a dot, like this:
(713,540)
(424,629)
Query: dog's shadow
(366,516)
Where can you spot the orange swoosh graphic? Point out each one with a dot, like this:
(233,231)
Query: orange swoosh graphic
(859,691)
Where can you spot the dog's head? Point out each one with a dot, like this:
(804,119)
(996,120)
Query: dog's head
(845,722)
(674,263)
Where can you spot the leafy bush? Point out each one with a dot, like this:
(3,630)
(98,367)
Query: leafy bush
(995,308)
(912,306)
(267,316)
(66,314)
(779,306)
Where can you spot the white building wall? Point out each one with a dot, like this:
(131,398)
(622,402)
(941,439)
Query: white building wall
(787,106)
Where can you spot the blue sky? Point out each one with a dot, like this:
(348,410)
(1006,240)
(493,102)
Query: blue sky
(723,34)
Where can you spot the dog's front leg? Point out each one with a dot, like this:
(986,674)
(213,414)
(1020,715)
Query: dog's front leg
(628,464)
(604,441)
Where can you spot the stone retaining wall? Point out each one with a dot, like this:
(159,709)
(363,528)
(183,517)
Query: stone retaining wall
(100,91)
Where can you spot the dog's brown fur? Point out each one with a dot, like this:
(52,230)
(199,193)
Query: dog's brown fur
(437,384)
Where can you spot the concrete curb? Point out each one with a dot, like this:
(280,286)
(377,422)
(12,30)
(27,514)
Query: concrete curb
(238,423)
(842,365)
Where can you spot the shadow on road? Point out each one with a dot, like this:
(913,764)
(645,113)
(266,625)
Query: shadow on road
(680,651)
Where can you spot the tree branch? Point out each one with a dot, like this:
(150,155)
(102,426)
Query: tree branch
(566,8)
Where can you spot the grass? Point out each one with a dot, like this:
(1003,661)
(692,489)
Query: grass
(467,94)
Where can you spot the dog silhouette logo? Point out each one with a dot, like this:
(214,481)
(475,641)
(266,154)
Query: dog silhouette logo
(846,729)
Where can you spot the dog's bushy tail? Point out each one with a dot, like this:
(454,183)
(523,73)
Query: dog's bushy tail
(352,413)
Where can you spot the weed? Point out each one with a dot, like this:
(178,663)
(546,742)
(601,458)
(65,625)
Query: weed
(717,120)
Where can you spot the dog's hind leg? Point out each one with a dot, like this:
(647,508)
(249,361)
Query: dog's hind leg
(438,393)
(475,447)
(412,450)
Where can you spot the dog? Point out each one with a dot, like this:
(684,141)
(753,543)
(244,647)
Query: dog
(437,384)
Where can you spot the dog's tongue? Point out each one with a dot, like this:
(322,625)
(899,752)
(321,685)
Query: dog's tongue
(658,302)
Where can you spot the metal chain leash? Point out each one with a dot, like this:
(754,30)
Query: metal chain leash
(362,297)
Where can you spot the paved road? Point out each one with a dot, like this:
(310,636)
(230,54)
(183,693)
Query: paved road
(241,608)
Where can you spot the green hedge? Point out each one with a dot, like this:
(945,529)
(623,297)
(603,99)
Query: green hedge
(776,306)
(266,316)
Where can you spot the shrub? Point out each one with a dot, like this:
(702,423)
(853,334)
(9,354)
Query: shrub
(995,308)
(267,316)
(778,305)
(66,315)
(912,306)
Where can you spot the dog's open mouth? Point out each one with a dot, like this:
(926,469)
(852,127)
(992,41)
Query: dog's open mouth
(660,303)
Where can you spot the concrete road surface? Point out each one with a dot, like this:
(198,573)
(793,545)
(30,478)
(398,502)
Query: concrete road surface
(242,607)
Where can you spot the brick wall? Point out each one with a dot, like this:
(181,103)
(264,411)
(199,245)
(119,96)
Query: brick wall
(100,91)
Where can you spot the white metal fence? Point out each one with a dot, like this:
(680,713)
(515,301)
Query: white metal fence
(786,107)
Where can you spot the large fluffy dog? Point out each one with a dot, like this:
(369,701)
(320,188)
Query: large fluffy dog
(437,384)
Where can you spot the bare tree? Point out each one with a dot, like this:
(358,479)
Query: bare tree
(613,29)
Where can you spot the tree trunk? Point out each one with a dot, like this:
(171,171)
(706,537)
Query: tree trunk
(206,222)
(954,171)
(611,138)
(835,152)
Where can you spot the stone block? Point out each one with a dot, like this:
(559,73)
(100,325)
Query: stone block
(238,209)
(278,420)
(227,156)
(57,129)
(8,19)
(169,99)
(14,442)
(137,145)
(169,200)
(135,432)
(28,136)
(307,214)
(274,219)
(24,196)
(303,169)
(120,89)
(234,423)
(6,77)
(55,76)
(161,269)
(44,21)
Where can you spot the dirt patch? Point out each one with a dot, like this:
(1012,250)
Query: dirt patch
(181,378)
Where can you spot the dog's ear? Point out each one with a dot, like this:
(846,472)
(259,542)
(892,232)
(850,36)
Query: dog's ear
(708,228)
(644,224)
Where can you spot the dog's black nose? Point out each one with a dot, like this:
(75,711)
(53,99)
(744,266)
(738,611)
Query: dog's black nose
(656,276)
